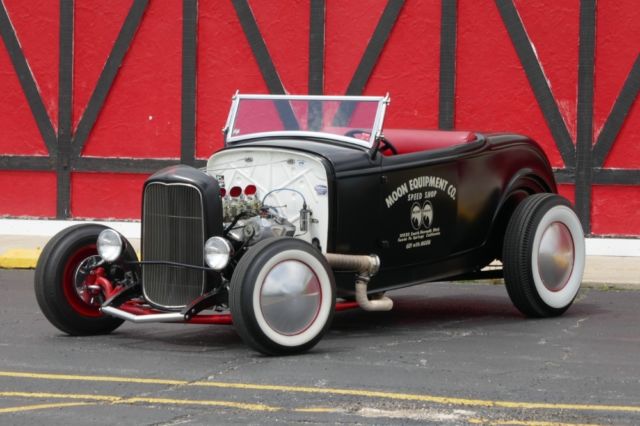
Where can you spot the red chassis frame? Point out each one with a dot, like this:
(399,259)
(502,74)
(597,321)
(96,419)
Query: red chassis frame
(137,308)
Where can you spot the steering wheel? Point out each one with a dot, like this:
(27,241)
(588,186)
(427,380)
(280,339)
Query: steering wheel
(385,145)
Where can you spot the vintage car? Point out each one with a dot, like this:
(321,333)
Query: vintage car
(310,208)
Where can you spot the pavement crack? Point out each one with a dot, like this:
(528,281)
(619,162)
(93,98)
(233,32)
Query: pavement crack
(577,325)
(179,420)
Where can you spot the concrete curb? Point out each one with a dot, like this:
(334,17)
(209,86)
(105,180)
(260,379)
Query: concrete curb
(601,273)
(43,229)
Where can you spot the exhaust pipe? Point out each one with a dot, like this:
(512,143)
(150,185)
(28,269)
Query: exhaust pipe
(366,267)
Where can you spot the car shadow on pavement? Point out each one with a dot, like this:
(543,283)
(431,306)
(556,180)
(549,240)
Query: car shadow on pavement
(443,310)
(176,337)
(482,307)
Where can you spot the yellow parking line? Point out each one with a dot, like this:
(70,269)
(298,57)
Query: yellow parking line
(142,400)
(45,395)
(43,407)
(422,397)
(210,403)
(336,391)
(138,380)
(487,422)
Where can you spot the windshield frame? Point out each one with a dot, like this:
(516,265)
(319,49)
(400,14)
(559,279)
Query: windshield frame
(376,130)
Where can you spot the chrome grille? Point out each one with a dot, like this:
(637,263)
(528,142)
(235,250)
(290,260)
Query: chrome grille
(173,231)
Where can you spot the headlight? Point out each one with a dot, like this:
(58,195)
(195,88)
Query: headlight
(217,252)
(109,245)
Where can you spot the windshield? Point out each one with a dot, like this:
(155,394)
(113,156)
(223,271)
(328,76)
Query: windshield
(353,119)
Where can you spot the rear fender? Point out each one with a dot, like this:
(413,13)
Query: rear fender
(521,185)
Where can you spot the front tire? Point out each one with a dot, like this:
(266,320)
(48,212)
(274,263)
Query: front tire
(56,287)
(543,256)
(282,296)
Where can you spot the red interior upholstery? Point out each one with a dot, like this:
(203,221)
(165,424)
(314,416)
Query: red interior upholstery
(407,141)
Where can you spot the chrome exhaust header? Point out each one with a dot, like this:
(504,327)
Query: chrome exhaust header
(119,313)
(366,267)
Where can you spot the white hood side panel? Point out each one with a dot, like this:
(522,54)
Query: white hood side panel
(291,175)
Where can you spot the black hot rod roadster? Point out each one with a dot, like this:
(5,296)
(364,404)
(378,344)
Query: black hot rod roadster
(310,208)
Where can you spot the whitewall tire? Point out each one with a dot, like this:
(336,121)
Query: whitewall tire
(282,296)
(543,255)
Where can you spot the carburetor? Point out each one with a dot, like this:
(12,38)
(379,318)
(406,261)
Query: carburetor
(237,201)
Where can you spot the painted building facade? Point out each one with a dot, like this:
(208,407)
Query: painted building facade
(97,95)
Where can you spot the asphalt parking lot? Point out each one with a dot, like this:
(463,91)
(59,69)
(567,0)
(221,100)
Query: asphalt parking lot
(447,354)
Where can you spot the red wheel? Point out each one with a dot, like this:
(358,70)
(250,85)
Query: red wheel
(66,298)
(76,289)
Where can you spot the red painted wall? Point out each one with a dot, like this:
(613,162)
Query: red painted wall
(141,117)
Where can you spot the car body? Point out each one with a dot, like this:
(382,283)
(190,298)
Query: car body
(313,200)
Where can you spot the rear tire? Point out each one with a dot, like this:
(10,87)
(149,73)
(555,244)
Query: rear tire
(543,256)
(55,285)
(282,296)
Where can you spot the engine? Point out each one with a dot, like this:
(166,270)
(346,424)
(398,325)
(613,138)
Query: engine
(248,220)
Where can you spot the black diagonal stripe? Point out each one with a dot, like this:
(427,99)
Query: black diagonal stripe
(316,61)
(618,114)
(65,101)
(584,141)
(265,63)
(109,72)
(537,81)
(448,64)
(189,51)
(375,46)
(369,59)
(27,81)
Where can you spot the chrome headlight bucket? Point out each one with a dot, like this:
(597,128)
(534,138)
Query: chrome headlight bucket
(217,252)
(110,245)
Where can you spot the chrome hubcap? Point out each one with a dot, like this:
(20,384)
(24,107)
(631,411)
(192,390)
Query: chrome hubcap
(290,297)
(91,294)
(556,256)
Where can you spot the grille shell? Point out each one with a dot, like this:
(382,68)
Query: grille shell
(173,230)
